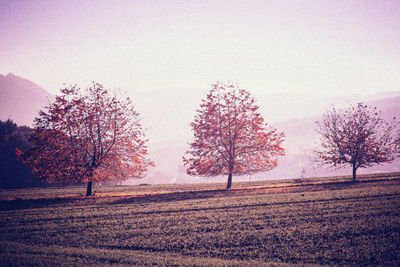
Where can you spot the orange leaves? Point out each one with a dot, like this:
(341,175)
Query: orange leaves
(18,152)
(89,135)
(231,136)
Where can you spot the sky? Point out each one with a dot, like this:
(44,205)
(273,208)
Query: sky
(327,47)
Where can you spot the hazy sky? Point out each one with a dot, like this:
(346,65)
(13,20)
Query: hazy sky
(330,47)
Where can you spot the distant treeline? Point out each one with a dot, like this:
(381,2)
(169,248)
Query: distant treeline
(13,173)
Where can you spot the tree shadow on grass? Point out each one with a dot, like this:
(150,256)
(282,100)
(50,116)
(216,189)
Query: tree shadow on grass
(19,203)
(178,196)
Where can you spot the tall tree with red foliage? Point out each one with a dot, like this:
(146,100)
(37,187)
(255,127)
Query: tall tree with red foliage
(357,136)
(231,137)
(88,136)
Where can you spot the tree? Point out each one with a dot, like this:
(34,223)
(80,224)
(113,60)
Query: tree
(13,174)
(231,137)
(86,137)
(357,136)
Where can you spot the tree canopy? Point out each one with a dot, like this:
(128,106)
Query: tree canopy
(87,136)
(357,136)
(231,137)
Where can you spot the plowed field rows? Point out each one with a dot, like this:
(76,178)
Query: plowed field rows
(351,224)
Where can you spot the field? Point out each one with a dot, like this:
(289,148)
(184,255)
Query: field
(324,221)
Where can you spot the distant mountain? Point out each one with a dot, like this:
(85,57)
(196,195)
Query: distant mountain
(300,133)
(390,107)
(301,138)
(21,99)
(277,108)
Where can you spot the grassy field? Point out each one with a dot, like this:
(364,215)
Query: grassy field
(322,221)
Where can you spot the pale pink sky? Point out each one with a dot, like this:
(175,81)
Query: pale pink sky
(328,47)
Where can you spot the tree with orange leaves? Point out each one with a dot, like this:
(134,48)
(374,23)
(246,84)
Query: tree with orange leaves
(231,137)
(357,136)
(86,137)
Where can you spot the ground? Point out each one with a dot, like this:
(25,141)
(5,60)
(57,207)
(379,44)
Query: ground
(324,221)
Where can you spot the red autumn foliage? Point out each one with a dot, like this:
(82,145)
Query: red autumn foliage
(231,137)
(357,136)
(85,137)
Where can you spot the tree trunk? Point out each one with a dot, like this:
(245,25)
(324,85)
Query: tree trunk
(89,189)
(229,185)
(354,173)
(230,169)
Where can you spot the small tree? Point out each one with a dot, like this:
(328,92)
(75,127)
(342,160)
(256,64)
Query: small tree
(357,136)
(86,137)
(231,137)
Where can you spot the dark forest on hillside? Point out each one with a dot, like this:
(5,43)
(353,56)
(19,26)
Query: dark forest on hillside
(13,173)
